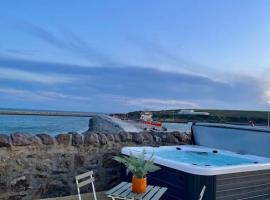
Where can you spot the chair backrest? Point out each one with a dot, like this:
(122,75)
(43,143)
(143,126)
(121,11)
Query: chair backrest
(202,193)
(83,180)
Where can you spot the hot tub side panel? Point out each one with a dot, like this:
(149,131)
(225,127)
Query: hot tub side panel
(245,185)
(181,185)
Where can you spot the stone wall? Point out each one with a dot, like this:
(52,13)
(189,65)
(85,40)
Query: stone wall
(33,167)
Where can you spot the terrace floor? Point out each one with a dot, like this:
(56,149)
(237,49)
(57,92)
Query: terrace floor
(88,196)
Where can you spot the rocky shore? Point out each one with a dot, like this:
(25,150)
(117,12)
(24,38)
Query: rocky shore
(42,166)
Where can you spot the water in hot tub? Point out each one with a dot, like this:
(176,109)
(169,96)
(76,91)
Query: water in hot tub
(203,158)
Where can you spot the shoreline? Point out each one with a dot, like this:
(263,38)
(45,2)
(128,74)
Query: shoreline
(48,113)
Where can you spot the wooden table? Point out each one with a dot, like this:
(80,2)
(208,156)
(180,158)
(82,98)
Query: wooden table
(123,191)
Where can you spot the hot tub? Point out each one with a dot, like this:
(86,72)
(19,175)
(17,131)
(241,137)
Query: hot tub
(226,175)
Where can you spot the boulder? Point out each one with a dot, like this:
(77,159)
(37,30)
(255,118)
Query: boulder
(108,161)
(171,139)
(77,139)
(46,139)
(20,184)
(103,139)
(23,139)
(3,186)
(183,137)
(137,138)
(16,197)
(91,139)
(63,139)
(110,137)
(148,138)
(4,141)
(56,188)
(125,137)
(79,160)
(117,138)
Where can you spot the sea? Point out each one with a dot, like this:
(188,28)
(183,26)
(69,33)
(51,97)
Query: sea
(35,124)
(182,127)
(53,125)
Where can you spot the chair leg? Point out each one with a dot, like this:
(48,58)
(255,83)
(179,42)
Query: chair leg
(94,191)
(78,189)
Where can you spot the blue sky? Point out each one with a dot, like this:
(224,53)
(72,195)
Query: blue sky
(115,56)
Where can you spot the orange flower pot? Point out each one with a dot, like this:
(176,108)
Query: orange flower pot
(139,184)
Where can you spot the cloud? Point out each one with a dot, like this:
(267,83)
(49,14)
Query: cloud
(56,95)
(166,60)
(21,52)
(27,76)
(69,42)
(138,87)
(39,95)
(158,104)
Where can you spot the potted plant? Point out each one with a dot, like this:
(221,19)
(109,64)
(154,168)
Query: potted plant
(139,167)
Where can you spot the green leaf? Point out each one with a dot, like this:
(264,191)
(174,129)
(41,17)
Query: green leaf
(138,166)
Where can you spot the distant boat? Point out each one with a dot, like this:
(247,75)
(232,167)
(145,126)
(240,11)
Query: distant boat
(147,118)
(153,123)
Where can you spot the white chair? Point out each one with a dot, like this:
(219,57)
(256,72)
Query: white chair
(83,180)
(202,193)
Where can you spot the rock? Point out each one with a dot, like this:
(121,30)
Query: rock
(157,139)
(171,139)
(137,138)
(63,139)
(79,160)
(103,139)
(56,189)
(108,161)
(91,139)
(19,184)
(22,139)
(110,137)
(125,137)
(148,138)
(182,137)
(62,163)
(3,187)
(117,138)
(77,139)
(45,139)
(4,141)
(16,197)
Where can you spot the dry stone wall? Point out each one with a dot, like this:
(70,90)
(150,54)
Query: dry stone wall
(34,167)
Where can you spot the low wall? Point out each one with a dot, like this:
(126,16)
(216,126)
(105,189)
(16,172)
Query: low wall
(33,167)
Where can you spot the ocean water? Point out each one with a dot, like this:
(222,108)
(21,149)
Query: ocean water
(178,126)
(35,124)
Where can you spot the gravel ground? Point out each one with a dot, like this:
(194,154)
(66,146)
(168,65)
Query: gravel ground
(89,196)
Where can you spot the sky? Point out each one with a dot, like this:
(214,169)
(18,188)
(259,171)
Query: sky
(119,56)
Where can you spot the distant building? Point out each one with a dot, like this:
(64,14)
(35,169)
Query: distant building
(146,116)
(192,112)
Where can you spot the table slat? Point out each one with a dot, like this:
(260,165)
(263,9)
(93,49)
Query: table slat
(140,196)
(121,190)
(159,194)
(151,193)
(124,191)
(115,188)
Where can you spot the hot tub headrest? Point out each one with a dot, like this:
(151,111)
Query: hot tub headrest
(237,138)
